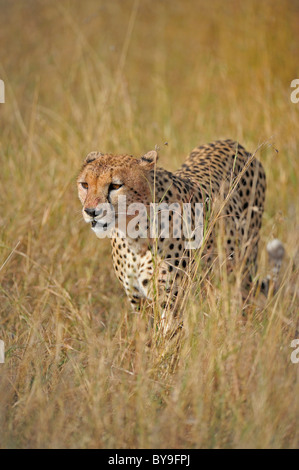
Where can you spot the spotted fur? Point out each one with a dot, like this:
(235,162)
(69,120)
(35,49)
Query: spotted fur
(222,175)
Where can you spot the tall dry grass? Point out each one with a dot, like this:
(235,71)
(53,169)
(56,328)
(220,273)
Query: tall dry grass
(123,76)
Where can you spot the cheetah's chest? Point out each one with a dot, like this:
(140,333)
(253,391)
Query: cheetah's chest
(133,267)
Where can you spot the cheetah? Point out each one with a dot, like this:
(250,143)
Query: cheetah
(227,181)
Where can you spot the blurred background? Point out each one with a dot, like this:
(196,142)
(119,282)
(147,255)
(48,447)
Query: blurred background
(122,76)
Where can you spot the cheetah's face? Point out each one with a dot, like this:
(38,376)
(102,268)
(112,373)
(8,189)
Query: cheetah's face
(103,178)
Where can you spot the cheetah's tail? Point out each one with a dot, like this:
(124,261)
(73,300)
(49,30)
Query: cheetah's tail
(276,253)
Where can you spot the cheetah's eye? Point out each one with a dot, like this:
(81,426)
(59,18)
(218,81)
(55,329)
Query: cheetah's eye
(84,185)
(114,186)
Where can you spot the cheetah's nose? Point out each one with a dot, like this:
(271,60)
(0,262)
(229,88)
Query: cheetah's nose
(90,211)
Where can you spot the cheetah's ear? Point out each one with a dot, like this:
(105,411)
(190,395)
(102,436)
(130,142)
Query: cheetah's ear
(149,159)
(93,156)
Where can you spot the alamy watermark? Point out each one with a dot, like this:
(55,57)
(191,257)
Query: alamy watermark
(2,91)
(295,353)
(155,221)
(2,353)
(295,93)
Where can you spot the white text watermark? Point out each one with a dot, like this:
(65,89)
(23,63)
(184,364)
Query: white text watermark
(295,353)
(2,91)
(2,353)
(295,93)
(155,221)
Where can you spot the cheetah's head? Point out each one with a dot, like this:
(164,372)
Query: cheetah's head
(104,178)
